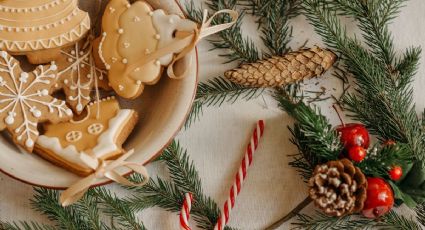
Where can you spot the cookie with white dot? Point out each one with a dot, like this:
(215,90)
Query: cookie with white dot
(78,75)
(25,100)
(132,33)
(39,28)
(100,133)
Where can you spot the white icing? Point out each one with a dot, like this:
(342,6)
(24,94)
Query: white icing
(20,23)
(73,136)
(105,143)
(79,87)
(95,129)
(166,25)
(18,96)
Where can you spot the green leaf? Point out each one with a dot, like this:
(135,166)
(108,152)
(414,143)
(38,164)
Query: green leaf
(400,195)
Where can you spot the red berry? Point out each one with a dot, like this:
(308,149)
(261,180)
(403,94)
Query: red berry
(356,153)
(396,173)
(354,135)
(380,198)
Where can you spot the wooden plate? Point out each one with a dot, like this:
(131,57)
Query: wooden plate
(162,108)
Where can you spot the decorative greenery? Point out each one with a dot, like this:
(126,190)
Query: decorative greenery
(382,100)
(320,221)
(100,202)
(314,137)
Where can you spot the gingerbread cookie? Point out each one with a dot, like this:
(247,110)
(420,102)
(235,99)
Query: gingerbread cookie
(78,75)
(131,33)
(101,137)
(45,26)
(25,100)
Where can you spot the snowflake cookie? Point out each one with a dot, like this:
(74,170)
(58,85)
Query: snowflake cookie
(132,32)
(78,75)
(100,133)
(25,100)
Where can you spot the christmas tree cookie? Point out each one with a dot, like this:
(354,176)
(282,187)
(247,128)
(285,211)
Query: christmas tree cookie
(100,134)
(39,28)
(25,100)
(78,75)
(132,33)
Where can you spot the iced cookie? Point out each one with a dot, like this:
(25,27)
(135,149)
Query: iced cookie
(25,100)
(99,136)
(39,28)
(78,75)
(131,33)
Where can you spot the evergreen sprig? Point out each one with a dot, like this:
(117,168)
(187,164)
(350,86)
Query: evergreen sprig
(169,195)
(215,92)
(24,225)
(320,221)
(383,99)
(312,133)
(273,18)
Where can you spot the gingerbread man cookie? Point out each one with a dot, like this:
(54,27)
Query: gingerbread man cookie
(78,75)
(25,100)
(39,28)
(99,136)
(131,33)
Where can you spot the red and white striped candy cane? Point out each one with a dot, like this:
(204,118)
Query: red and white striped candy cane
(185,212)
(240,176)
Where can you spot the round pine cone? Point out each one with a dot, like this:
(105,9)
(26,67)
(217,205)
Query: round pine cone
(282,70)
(338,188)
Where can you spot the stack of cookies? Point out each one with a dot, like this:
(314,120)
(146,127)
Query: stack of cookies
(55,110)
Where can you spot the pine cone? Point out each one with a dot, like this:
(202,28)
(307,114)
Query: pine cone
(338,188)
(278,71)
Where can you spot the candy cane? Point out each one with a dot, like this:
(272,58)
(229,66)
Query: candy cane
(185,212)
(240,176)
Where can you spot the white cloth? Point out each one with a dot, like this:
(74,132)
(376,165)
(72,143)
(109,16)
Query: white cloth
(216,142)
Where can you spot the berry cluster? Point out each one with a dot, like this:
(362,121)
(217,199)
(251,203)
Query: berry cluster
(380,197)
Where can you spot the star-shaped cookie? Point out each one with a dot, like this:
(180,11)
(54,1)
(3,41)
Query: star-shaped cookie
(25,100)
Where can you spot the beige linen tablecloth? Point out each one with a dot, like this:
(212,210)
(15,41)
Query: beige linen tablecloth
(216,142)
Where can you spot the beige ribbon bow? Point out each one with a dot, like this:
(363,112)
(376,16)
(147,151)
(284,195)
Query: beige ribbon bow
(186,43)
(103,169)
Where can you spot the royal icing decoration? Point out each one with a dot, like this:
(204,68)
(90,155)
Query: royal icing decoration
(135,31)
(101,138)
(78,75)
(25,100)
(40,24)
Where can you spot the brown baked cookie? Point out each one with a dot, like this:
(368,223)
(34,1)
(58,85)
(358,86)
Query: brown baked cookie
(39,28)
(25,100)
(131,33)
(99,136)
(78,75)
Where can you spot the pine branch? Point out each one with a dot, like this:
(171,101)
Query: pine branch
(420,213)
(240,48)
(320,221)
(46,202)
(373,18)
(314,137)
(170,196)
(117,209)
(88,207)
(380,159)
(380,103)
(217,91)
(273,17)
(24,225)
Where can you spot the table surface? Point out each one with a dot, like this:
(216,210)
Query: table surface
(216,142)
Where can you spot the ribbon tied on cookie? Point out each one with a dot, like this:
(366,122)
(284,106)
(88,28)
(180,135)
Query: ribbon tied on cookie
(103,169)
(138,43)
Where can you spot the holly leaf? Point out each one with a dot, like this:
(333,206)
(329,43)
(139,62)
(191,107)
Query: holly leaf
(404,197)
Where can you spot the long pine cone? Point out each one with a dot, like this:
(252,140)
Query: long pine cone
(282,70)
